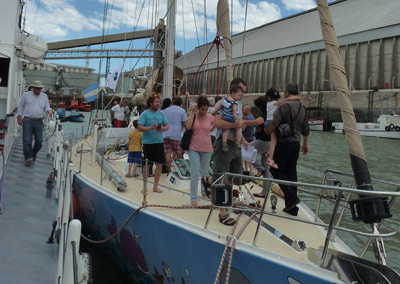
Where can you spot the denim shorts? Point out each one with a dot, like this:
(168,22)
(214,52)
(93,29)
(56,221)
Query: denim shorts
(134,157)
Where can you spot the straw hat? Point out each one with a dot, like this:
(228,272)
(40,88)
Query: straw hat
(37,84)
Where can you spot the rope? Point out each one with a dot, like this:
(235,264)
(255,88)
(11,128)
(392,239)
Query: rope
(221,264)
(231,244)
(216,41)
(136,211)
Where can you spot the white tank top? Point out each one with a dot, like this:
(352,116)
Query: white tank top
(270,110)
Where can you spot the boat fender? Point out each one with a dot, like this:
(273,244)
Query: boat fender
(397,128)
(391,127)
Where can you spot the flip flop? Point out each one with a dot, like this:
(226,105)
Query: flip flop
(226,220)
(272,164)
(207,186)
(261,195)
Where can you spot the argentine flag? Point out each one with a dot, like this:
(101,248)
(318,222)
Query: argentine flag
(112,78)
(91,92)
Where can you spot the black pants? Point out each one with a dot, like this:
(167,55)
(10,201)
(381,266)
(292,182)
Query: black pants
(286,156)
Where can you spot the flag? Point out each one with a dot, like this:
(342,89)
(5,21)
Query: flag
(91,92)
(112,78)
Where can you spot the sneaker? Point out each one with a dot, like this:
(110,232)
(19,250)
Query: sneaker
(225,147)
(28,163)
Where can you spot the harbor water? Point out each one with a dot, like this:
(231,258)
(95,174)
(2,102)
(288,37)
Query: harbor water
(326,151)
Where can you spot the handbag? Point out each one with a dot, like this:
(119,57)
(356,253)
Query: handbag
(285,130)
(187,137)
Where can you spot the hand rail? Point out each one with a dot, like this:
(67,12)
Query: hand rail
(331,229)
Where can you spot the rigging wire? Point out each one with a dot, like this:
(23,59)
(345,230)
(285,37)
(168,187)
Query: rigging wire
(184,41)
(244,32)
(197,32)
(205,42)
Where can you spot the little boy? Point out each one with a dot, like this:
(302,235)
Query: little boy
(229,113)
(135,150)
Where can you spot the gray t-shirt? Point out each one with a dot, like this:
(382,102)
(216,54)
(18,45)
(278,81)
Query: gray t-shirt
(231,134)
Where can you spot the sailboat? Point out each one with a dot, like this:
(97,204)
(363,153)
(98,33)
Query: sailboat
(158,238)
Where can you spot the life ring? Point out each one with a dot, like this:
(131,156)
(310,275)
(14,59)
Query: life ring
(391,127)
(397,128)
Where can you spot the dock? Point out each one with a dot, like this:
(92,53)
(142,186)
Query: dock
(26,222)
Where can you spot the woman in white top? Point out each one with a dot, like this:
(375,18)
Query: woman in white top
(272,104)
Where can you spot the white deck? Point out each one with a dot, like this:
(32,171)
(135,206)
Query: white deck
(312,235)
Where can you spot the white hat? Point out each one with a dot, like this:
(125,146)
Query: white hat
(37,84)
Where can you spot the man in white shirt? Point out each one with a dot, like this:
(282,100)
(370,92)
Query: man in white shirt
(118,112)
(31,110)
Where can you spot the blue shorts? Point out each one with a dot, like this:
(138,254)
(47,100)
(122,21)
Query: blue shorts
(267,123)
(228,118)
(134,157)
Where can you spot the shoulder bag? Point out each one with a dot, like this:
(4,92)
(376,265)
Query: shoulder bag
(187,137)
(285,130)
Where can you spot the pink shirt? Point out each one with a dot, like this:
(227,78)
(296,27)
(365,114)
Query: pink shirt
(201,138)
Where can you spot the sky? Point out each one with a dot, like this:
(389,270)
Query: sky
(57,20)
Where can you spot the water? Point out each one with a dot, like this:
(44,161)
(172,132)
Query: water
(326,151)
(330,151)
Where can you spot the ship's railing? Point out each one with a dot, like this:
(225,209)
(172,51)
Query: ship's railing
(70,266)
(330,227)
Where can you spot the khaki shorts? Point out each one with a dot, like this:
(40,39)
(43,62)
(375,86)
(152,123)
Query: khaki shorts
(230,161)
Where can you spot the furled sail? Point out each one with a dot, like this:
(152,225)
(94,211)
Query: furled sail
(357,154)
(223,30)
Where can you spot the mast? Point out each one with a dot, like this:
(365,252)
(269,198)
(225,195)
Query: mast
(170,51)
(223,29)
(369,209)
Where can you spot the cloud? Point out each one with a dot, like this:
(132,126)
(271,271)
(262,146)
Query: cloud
(62,19)
(68,19)
(54,19)
(299,5)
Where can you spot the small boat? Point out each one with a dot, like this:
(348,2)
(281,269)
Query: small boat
(74,105)
(84,106)
(76,116)
(60,111)
(316,123)
(387,126)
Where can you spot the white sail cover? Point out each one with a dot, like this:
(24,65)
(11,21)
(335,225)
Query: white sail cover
(223,30)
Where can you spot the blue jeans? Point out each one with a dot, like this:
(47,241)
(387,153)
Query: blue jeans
(262,148)
(199,162)
(30,127)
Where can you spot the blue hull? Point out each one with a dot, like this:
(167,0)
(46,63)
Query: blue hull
(154,248)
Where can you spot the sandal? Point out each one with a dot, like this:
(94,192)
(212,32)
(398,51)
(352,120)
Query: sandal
(226,220)
(261,195)
(257,204)
(260,174)
(237,144)
(225,147)
(272,164)
(207,186)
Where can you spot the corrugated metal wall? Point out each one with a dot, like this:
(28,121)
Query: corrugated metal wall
(368,64)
